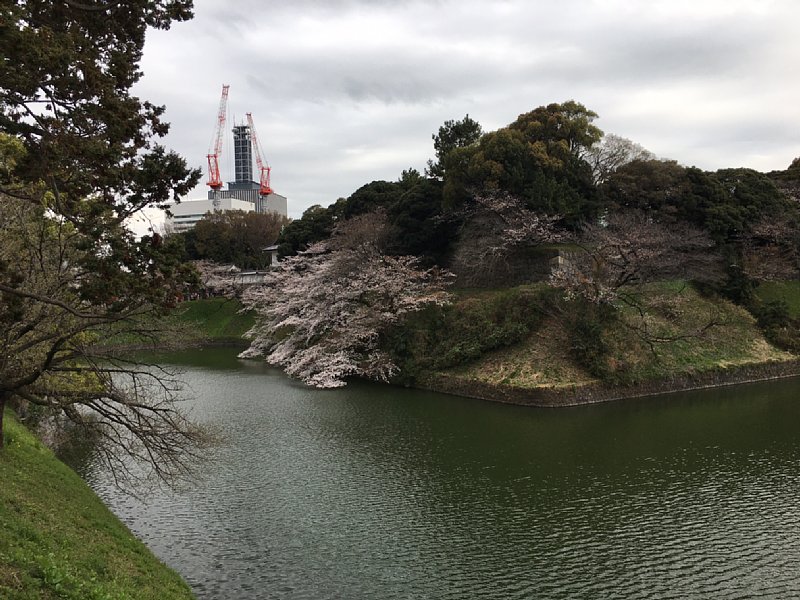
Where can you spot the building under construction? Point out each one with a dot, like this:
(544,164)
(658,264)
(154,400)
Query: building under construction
(243,193)
(243,187)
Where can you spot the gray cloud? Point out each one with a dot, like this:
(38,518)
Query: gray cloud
(347,91)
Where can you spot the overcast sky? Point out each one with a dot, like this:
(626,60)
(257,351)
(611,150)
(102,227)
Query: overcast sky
(344,92)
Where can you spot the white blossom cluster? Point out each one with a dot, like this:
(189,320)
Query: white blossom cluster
(515,225)
(217,278)
(321,314)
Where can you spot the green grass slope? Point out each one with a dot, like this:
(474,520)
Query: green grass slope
(676,315)
(782,291)
(214,319)
(58,540)
(194,323)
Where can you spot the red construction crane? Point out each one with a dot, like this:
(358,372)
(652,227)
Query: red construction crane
(214,178)
(264,171)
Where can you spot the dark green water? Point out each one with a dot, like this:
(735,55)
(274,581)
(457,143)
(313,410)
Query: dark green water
(375,492)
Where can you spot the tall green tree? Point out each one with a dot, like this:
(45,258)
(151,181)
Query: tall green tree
(80,156)
(559,132)
(316,224)
(540,157)
(452,135)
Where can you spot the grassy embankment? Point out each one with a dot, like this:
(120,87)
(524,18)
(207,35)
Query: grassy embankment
(194,323)
(526,339)
(58,540)
(784,291)
(216,320)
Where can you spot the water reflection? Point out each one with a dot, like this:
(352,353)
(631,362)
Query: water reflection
(375,492)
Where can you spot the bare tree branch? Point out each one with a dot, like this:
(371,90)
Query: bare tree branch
(630,250)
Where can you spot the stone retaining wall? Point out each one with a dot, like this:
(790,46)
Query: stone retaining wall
(591,393)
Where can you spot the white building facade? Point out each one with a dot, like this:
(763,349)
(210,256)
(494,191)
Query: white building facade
(186,214)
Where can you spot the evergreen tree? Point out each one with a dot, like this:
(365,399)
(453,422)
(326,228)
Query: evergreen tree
(80,156)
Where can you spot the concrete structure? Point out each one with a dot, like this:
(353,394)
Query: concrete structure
(273,255)
(242,193)
(189,212)
(245,278)
(272,203)
(239,192)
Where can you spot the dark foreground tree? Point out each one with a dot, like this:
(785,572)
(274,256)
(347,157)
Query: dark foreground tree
(78,158)
(60,344)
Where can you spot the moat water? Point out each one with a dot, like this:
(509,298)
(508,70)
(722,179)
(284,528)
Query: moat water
(378,492)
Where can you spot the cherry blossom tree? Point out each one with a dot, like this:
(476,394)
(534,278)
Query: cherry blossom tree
(320,315)
(615,260)
(514,224)
(771,250)
(217,279)
(496,226)
(630,250)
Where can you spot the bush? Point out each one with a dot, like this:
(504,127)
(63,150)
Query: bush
(445,337)
(775,321)
(771,314)
(587,332)
(738,287)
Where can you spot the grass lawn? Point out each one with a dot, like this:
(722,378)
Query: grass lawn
(214,318)
(788,291)
(58,540)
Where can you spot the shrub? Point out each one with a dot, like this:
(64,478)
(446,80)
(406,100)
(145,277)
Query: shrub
(454,335)
(587,331)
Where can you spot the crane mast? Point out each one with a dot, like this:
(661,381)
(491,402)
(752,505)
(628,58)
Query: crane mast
(215,150)
(264,171)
